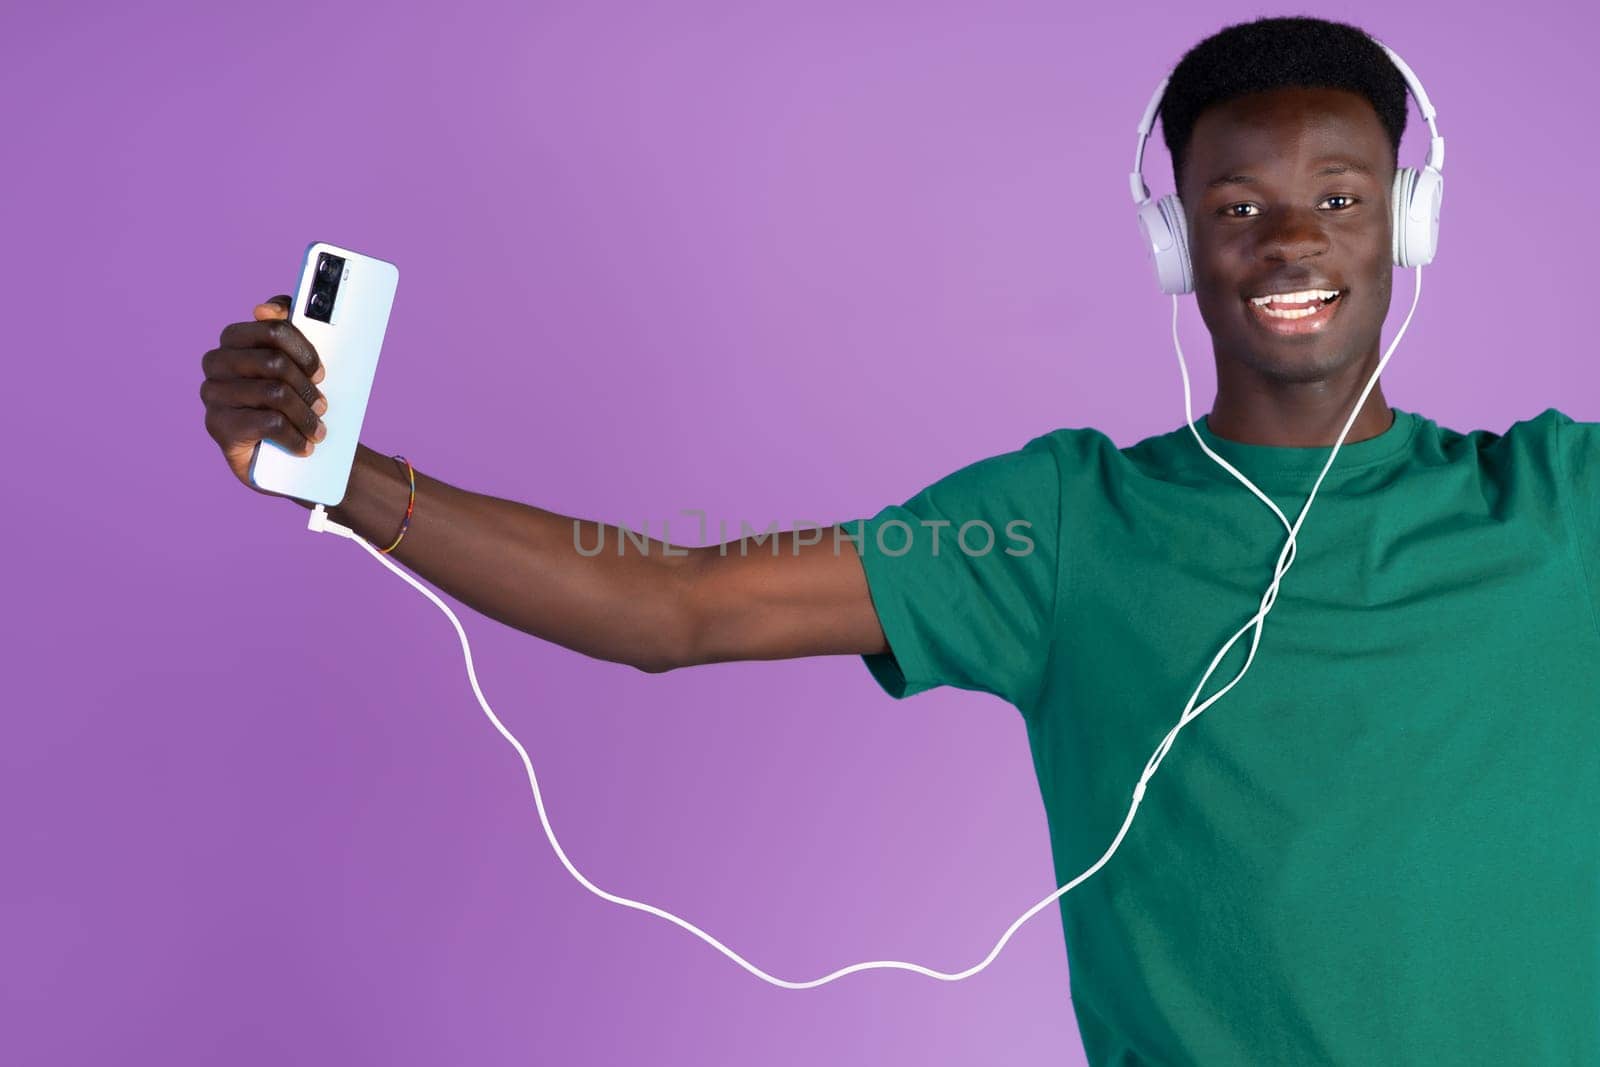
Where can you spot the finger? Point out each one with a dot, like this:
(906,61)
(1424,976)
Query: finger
(275,333)
(276,308)
(264,393)
(240,427)
(222,364)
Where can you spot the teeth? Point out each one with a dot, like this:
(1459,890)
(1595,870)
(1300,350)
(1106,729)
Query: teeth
(1297,313)
(1305,296)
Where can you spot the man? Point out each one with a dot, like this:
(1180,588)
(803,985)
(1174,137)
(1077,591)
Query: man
(1381,847)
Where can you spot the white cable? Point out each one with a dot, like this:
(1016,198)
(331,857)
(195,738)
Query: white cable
(321,523)
(1285,557)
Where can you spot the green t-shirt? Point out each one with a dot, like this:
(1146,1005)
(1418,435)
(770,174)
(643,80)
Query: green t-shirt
(1383,844)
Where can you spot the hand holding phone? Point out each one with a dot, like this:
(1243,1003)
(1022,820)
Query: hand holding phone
(310,355)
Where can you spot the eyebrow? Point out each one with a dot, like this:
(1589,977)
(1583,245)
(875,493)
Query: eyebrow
(1341,166)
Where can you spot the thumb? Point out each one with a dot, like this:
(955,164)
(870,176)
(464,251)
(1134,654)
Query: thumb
(276,308)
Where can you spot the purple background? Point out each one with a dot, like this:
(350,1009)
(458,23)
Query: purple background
(793,263)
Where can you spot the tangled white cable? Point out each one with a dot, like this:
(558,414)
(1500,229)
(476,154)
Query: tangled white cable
(321,523)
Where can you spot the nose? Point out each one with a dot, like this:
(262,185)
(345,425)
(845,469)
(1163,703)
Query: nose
(1291,234)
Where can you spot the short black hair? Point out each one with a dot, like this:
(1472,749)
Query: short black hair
(1279,53)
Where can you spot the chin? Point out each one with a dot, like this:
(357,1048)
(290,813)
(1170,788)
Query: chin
(1295,360)
(1298,371)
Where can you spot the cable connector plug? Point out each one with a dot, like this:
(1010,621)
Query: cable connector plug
(320,523)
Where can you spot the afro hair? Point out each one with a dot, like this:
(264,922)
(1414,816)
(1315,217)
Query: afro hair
(1277,53)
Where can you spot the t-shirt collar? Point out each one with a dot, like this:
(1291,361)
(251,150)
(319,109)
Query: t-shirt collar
(1288,466)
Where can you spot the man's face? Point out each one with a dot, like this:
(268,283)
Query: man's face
(1288,191)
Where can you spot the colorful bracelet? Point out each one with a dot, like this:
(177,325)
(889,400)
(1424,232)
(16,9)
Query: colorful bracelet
(405,524)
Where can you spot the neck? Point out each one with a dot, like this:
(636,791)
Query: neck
(1254,411)
(1298,425)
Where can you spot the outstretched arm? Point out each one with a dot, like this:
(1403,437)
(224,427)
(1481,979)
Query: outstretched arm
(646,607)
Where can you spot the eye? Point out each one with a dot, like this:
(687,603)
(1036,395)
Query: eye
(1247,210)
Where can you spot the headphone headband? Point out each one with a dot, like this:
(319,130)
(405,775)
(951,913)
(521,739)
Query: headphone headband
(1141,192)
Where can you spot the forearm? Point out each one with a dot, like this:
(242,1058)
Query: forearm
(521,565)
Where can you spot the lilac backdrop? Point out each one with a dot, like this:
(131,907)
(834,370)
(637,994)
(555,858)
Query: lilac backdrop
(794,262)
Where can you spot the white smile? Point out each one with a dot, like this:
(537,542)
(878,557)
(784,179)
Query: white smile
(1296,305)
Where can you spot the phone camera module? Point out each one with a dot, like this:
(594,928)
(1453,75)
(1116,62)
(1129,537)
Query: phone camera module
(325,283)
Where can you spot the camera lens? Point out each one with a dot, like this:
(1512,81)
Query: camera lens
(324,266)
(319,301)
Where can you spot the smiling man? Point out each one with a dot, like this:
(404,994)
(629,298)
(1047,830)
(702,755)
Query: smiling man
(1381,846)
(1290,237)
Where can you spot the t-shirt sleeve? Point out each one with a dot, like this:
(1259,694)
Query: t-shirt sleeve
(963,577)
(1579,446)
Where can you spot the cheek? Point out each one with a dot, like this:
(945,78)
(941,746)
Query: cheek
(1377,256)
(1222,315)
(1216,282)
(1379,286)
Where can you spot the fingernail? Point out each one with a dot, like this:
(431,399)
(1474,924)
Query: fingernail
(322,372)
(320,406)
(322,431)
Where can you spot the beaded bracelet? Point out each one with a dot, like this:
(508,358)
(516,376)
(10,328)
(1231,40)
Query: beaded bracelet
(405,524)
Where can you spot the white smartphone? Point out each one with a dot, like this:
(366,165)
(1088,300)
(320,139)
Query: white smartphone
(342,307)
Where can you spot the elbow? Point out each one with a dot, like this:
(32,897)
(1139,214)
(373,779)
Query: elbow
(657,666)
(677,637)
(668,656)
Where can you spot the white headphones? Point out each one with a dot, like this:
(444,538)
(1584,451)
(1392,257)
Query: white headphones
(1415,199)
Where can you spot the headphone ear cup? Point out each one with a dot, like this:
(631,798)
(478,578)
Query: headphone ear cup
(1173,208)
(1166,231)
(1399,211)
(1416,197)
